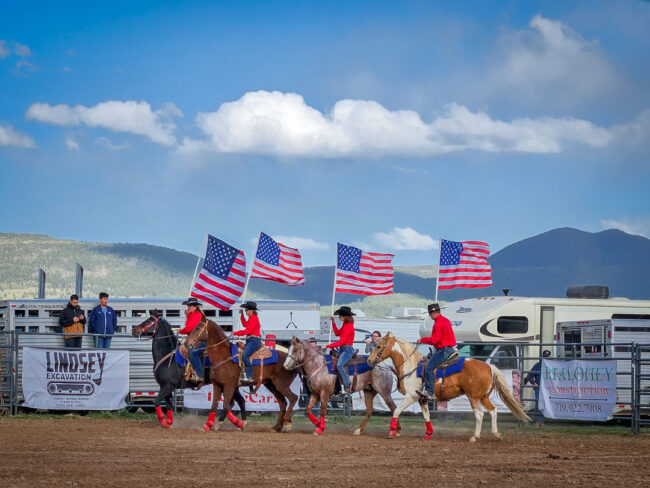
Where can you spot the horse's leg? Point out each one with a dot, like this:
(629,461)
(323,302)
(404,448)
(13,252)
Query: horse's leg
(216,396)
(285,390)
(324,398)
(228,393)
(478,415)
(170,408)
(165,391)
(408,400)
(385,394)
(312,401)
(424,405)
(493,414)
(369,397)
(241,401)
(281,402)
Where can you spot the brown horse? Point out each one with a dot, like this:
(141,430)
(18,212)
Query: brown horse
(224,376)
(322,383)
(476,380)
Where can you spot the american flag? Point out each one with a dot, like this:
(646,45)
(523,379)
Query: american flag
(277,262)
(464,264)
(223,276)
(363,273)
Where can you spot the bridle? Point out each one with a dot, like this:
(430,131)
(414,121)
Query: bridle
(381,350)
(204,325)
(153,324)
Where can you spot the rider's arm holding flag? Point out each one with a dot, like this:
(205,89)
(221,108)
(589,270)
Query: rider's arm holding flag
(251,326)
(193,319)
(346,334)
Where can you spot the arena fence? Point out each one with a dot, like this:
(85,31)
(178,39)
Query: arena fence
(633,369)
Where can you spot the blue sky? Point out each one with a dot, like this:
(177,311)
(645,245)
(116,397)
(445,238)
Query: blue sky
(382,124)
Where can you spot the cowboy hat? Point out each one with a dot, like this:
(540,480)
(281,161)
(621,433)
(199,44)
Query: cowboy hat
(249,306)
(192,302)
(433,307)
(345,311)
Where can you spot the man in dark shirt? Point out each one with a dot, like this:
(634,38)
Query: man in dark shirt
(72,320)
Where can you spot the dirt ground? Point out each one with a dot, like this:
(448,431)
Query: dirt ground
(95,451)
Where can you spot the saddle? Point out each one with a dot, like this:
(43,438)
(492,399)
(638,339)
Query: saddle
(355,359)
(355,366)
(262,353)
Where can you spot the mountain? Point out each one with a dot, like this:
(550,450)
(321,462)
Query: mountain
(543,265)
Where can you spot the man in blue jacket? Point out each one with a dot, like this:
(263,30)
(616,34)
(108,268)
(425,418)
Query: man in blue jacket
(103,321)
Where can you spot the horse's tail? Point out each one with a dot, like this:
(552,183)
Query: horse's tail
(506,395)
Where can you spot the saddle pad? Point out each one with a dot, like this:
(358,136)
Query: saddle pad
(255,362)
(361,368)
(453,369)
(181,361)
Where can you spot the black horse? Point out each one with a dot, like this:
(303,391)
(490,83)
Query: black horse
(168,374)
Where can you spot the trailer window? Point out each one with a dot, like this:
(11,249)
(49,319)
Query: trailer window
(138,313)
(476,351)
(120,313)
(32,313)
(173,313)
(33,328)
(19,313)
(512,325)
(210,313)
(633,316)
(225,313)
(505,357)
(54,313)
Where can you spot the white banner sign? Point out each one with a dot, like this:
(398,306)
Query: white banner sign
(262,401)
(583,390)
(62,379)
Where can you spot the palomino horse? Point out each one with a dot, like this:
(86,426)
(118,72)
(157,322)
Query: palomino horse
(168,374)
(224,376)
(322,383)
(476,380)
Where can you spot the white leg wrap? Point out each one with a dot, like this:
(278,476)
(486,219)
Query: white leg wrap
(478,414)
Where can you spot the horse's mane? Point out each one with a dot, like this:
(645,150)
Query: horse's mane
(216,328)
(407,347)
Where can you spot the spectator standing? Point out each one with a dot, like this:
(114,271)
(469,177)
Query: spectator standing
(103,321)
(72,320)
(534,378)
(371,344)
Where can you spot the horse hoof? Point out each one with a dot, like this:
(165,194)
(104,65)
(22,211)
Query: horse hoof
(205,428)
(427,437)
(392,433)
(472,439)
(498,436)
(286,427)
(216,426)
(318,431)
(357,432)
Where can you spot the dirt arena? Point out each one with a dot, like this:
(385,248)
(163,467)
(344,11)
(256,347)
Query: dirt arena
(96,451)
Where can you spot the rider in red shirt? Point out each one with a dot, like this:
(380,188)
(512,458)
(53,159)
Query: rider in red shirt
(443,339)
(346,339)
(253,338)
(193,317)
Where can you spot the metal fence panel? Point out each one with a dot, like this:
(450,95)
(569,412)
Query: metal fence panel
(7,376)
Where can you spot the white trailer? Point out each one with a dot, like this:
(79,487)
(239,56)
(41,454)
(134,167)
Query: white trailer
(606,339)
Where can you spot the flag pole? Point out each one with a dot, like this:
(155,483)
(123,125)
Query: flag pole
(248,278)
(438,274)
(333,296)
(205,245)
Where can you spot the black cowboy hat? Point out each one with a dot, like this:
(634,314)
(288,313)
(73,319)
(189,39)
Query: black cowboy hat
(249,306)
(345,311)
(546,353)
(433,307)
(192,301)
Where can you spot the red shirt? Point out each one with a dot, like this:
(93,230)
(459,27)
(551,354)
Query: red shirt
(251,326)
(346,334)
(442,334)
(191,321)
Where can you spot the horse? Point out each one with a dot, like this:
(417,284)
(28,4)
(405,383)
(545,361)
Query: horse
(167,372)
(224,376)
(476,380)
(321,383)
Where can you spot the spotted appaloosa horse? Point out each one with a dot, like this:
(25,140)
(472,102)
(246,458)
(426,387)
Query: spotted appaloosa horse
(322,383)
(476,380)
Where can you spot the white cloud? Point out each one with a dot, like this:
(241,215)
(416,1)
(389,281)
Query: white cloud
(635,133)
(24,68)
(552,58)
(107,143)
(71,143)
(300,243)
(10,137)
(404,239)
(635,226)
(282,124)
(21,50)
(129,116)
(4,51)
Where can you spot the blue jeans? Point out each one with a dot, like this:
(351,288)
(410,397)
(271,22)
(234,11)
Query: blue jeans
(345,354)
(196,358)
(436,360)
(538,417)
(103,342)
(252,345)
